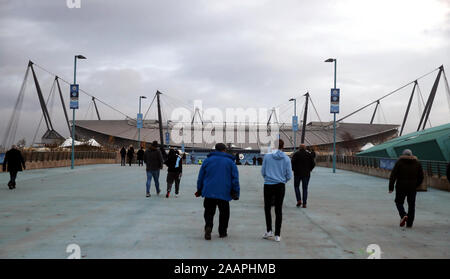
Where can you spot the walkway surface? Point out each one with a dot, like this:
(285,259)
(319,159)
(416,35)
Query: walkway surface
(103,209)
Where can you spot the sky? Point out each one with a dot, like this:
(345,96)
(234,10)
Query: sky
(229,54)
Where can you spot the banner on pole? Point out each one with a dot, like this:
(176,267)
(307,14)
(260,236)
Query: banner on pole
(294,123)
(334,104)
(167,138)
(139,122)
(74,96)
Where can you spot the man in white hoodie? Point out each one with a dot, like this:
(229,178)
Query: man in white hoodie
(277,171)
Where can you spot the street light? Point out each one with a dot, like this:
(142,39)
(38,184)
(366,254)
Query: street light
(73,117)
(334,117)
(294,122)
(139,124)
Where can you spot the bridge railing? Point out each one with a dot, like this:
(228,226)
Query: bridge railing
(431,168)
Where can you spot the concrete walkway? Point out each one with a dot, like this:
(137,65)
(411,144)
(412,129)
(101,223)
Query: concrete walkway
(103,209)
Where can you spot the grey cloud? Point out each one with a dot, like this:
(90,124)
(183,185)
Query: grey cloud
(227,53)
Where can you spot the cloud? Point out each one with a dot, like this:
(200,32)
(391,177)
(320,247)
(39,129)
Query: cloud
(227,53)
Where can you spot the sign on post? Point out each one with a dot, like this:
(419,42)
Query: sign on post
(334,104)
(294,123)
(74,96)
(139,122)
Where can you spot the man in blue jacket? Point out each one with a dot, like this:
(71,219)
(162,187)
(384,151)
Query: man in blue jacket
(218,183)
(276,170)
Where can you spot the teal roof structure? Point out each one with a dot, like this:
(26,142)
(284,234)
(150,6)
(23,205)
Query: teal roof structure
(432,144)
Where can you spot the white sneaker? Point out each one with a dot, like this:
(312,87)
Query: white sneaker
(277,238)
(176,195)
(268,235)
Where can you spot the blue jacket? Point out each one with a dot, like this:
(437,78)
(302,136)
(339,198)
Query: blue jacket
(218,176)
(276,168)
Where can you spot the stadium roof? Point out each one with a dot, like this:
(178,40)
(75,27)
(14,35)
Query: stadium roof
(430,144)
(316,133)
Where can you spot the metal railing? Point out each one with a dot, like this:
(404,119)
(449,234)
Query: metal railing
(64,155)
(437,168)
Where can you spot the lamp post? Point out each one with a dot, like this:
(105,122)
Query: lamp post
(73,116)
(294,122)
(139,124)
(334,117)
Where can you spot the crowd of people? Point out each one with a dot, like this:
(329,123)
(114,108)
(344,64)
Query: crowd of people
(218,180)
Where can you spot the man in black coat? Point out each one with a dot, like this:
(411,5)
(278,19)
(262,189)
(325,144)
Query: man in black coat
(140,156)
(14,163)
(407,176)
(154,163)
(174,171)
(123,154)
(130,154)
(302,165)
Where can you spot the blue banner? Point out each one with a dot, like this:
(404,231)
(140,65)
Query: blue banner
(139,121)
(294,123)
(2,157)
(167,138)
(74,88)
(334,100)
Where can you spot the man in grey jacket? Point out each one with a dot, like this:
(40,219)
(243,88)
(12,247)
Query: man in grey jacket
(154,163)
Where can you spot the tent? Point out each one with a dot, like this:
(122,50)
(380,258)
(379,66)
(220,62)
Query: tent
(68,142)
(367,146)
(93,142)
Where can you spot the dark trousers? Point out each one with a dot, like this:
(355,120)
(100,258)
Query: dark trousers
(12,180)
(130,160)
(275,193)
(305,182)
(122,161)
(140,162)
(224,213)
(171,178)
(411,199)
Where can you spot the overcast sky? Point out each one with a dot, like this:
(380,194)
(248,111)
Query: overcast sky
(230,53)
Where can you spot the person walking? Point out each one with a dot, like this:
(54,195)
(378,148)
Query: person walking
(174,171)
(276,170)
(13,163)
(123,154)
(154,163)
(302,165)
(140,156)
(130,154)
(218,184)
(407,175)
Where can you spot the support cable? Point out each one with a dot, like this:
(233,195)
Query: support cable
(83,91)
(390,93)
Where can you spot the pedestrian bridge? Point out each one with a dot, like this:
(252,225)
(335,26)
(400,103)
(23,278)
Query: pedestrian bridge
(103,209)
